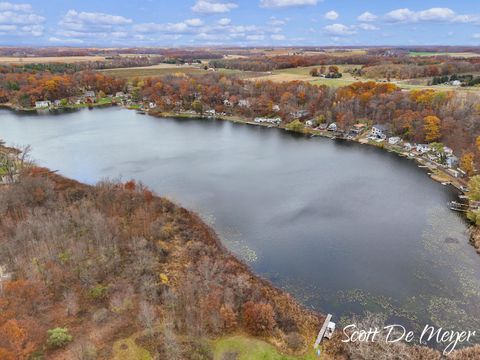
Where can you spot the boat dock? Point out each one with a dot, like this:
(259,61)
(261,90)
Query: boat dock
(321,333)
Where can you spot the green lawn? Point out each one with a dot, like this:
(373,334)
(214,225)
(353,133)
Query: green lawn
(251,349)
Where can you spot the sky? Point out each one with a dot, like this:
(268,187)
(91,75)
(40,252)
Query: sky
(115,23)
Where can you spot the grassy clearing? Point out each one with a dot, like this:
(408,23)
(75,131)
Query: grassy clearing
(452,54)
(251,349)
(127,349)
(162,69)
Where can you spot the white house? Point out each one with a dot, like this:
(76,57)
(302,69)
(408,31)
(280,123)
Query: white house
(299,113)
(309,123)
(152,105)
(57,103)
(227,102)
(394,140)
(89,94)
(423,148)
(276,108)
(244,103)
(407,146)
(211,112)
(447,151)
(42,104)
(332,127)
(379,131)
(120,94)
(274,121)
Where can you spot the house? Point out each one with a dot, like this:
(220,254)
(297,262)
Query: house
(358,128)
(309,123)
(227,102)
(276,108)
(422,148)
(447,151)
(57,103)
(89,94)
(299,114)
(120,94)
(394,140)
(456,83)
(42,104)
(332,127)
(379,131)
(322,126)
(244,103)
(263,120)
(407,146)
(152,105)
(211,112)
(211,69)
(451,161)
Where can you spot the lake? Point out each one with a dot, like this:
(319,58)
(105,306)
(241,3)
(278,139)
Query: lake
(344,227)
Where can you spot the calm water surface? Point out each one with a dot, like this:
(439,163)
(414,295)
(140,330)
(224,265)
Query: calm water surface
(345,228)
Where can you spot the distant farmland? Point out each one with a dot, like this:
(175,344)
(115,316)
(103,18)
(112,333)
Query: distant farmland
(451,54)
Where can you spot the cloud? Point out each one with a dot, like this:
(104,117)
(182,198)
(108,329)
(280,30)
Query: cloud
(367,27)
(19,20)
(224,22)
(339,30)
(367,16)
(194,22)
(7,6)
(74,19)
(287,3)
(255,37)
(276,22)
(331,15)
(212,7)
(446,15)
(277,37)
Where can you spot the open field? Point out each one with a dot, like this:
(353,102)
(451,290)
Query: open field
(52,59)
(303,74)
(168,69)
(452,54)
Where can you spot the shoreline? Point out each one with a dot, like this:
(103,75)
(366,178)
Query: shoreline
(435,173)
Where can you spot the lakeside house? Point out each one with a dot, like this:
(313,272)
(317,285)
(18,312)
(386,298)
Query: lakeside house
(120,94)
(394,140)
(422,148)
(332,127)
(152,105)
(358,128)
(227,102)
(263,120)
(309,123)
(210,113)
(379,131)
(407,146)
(276,108)
(451,161)
(57,103)
(42,104)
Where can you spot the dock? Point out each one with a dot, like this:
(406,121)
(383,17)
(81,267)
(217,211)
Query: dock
(322,331)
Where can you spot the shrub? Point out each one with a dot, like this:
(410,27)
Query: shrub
(58,337)
(259,319)
(98,292)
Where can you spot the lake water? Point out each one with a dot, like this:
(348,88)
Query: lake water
(344,227)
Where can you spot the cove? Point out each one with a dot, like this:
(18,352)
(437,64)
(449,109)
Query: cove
(344,228)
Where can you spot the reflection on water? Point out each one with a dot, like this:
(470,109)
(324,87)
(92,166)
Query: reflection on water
(344,227)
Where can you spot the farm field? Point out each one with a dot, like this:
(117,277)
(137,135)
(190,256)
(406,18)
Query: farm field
(303,74)
(451,54)
(167,69)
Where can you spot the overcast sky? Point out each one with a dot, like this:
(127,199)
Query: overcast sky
(239,22)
